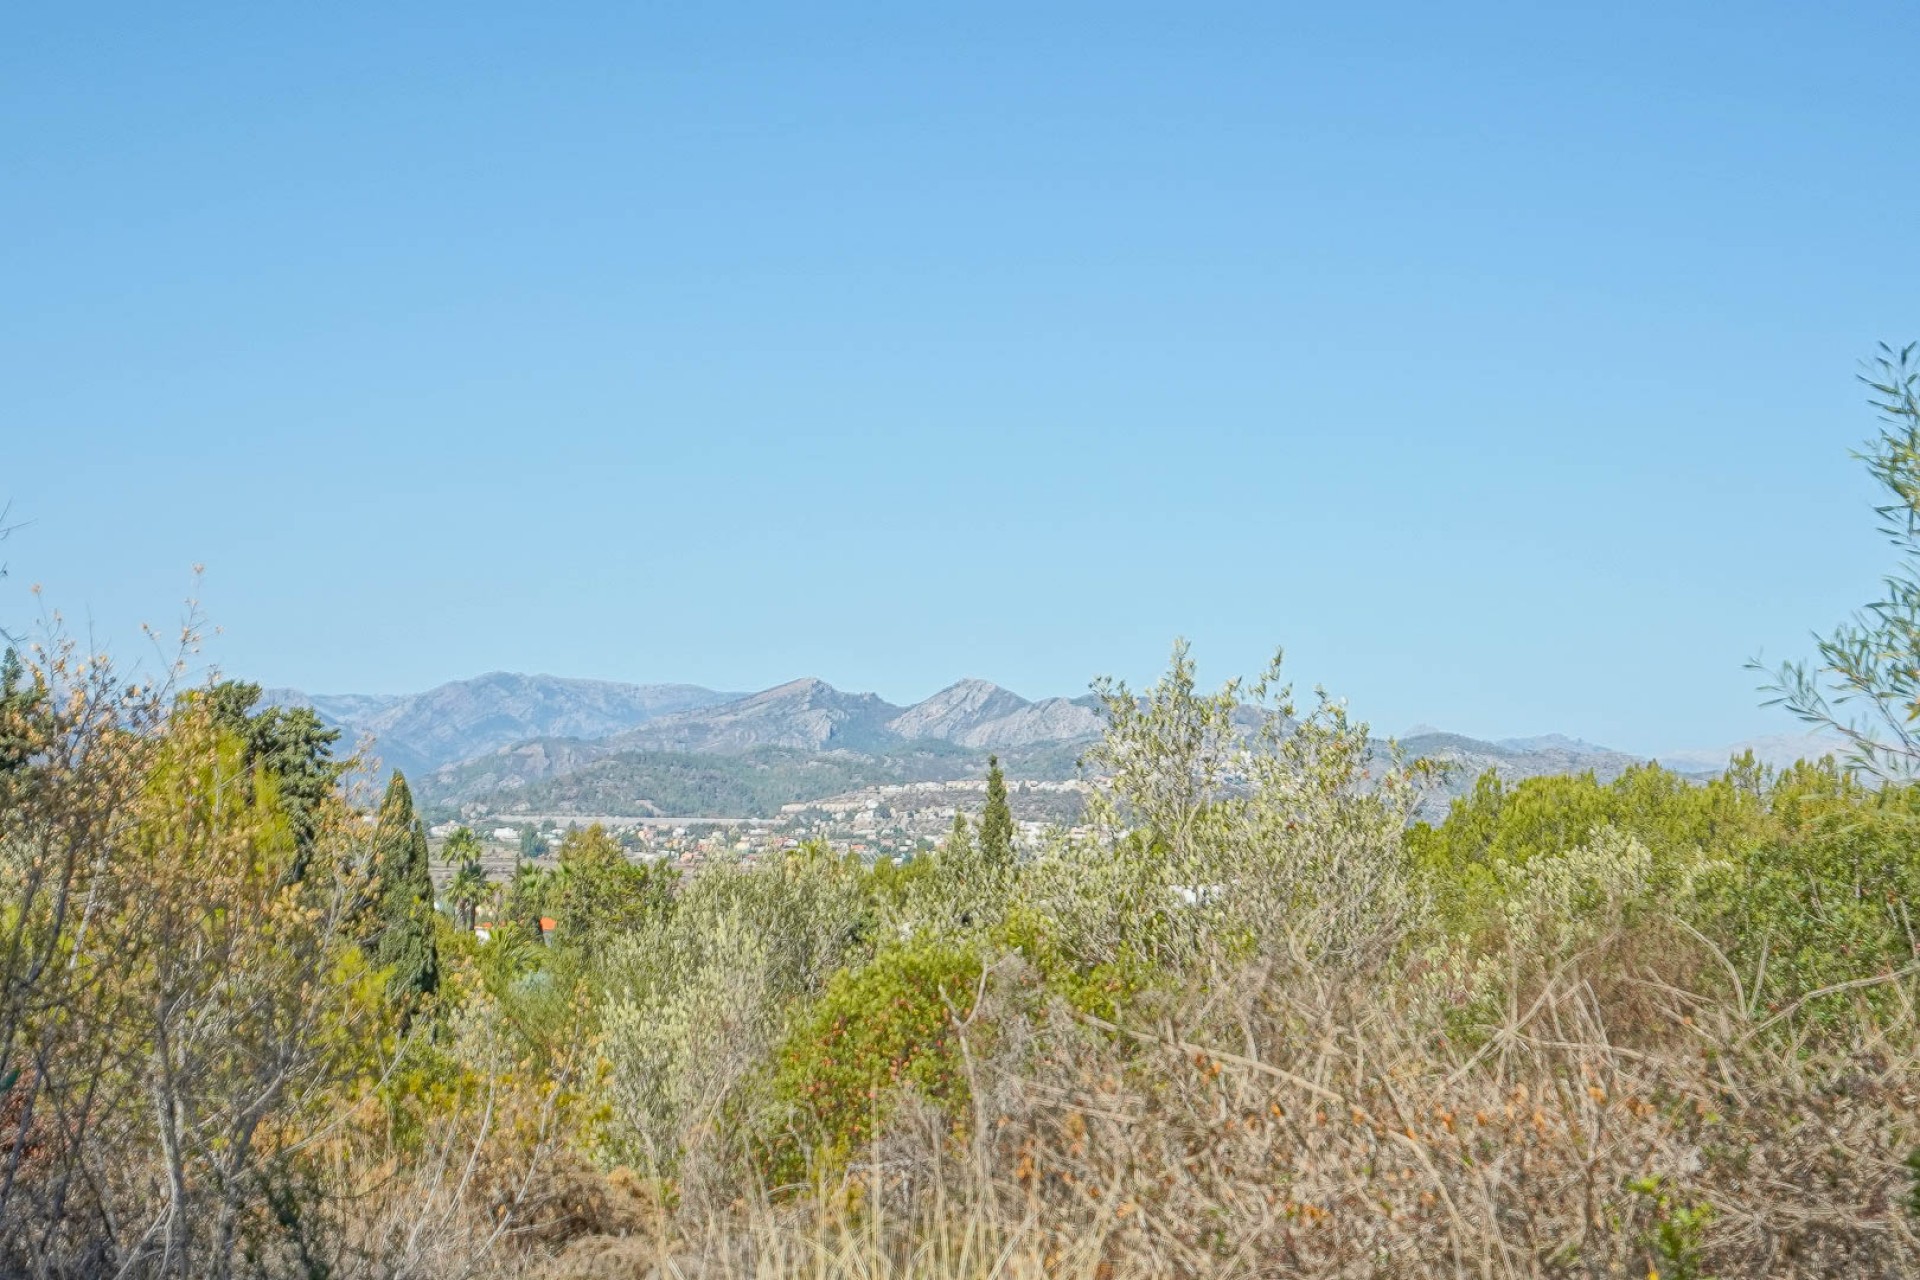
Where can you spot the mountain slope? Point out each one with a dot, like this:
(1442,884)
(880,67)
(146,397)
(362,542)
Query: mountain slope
(501,742)
(1049,720)
(1467,758)
(1776,750)
(509,768)
(744,784)
(982,715)
(807,715)
(956,710)
(465,718)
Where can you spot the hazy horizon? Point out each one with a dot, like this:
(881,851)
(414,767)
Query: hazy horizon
(1397,728)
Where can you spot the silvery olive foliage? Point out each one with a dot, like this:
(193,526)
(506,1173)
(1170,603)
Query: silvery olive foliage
(694,1003)
(1865,683)
(1232,820)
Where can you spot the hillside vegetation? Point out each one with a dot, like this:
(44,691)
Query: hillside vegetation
(1257,1021)
(1260,1024)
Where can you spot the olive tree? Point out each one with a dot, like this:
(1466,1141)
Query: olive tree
(1865,682)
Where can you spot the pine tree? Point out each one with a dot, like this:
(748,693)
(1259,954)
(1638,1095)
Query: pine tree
(403,898)
(291,744)
(996,823)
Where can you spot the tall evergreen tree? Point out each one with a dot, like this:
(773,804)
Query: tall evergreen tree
(288,742)
(996,823)
(958,850)
(403,897)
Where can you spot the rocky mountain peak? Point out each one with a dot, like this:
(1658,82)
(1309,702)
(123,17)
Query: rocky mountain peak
(957,710)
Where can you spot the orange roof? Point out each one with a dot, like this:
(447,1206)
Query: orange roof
(548,924)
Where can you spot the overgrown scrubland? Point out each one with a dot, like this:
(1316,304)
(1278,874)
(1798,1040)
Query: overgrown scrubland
(1258,1025)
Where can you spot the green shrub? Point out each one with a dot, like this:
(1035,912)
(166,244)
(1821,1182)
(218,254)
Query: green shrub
(1831,904)
(695,1004)
(1102,989)
(886,1026)
(1465,862)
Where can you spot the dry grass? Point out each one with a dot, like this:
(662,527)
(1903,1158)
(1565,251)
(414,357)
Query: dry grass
(1298,1125)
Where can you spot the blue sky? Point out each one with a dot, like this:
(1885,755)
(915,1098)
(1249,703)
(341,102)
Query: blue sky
(1497,360)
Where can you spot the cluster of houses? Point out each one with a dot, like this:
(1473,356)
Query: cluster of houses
(896,821)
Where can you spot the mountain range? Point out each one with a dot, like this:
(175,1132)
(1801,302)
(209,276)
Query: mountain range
(553,719)
(508,740)
(422,731)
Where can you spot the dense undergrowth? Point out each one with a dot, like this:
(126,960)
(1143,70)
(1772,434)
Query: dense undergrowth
(1258,1024)
(1256,1021)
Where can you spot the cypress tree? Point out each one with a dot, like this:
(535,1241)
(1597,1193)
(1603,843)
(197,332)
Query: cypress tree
(958,851)
(403,898)
(996,823)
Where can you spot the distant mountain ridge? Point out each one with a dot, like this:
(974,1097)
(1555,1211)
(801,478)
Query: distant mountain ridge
(1776,750)
(808,714)
(464,718)
(502,712)
(490,741)
(957,710)
(1464,759)
(982,715)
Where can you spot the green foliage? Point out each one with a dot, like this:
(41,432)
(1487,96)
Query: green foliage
(1105,989)
(597,895)
(696,999)
(886,1026)
(469,885)
(288,743)
(183,1003)
(403,936)
(1824,902)
(1498,825)
(996,824)
(1231,823)
(895,888)
(1792,882)
(20,700)
(966,889)
(1677,1239)
(1913,1173)
(462,847)
(1865,684)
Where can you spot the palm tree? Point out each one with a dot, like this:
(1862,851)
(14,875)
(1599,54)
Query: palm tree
(466,892)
